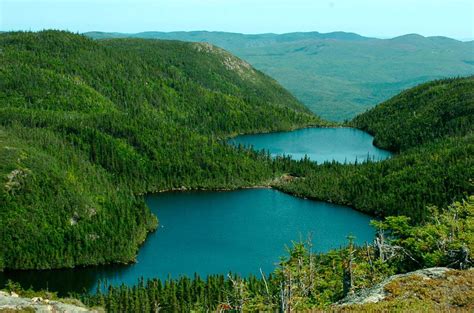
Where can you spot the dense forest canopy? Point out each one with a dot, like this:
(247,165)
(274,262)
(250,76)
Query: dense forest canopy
(338,75)
(434,166)
(431,127)
(438,109)
(86,126)
(112,119)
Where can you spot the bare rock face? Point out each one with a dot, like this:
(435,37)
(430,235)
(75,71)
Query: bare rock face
(377,293)
(12,302)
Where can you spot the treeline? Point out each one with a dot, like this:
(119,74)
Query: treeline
(59,210)
(177,295)
(438,109)
(87,126)
(433,174)
(430,127)
(307,281)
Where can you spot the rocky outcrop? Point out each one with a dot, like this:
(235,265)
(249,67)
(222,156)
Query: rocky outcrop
(379,293)
(12,302)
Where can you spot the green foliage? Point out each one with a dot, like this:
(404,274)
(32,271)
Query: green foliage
(431,125)
(308,281)
(446,239)
(433,174)
(180,295)
(58,209)
(86,127)
(338,75)
(420,115)
(11,286)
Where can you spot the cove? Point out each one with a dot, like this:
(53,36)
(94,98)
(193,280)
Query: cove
(208,232)
(344,145)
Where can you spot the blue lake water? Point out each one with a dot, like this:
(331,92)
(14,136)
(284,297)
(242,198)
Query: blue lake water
(239,231)
(344,145)
(217,232)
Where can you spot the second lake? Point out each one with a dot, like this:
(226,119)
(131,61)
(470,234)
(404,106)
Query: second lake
(344,145)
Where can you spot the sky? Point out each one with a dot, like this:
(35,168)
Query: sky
(376,18)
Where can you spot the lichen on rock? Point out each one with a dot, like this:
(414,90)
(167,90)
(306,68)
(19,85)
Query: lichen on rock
(12,302)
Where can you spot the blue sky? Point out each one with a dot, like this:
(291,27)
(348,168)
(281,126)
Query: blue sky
(378,18)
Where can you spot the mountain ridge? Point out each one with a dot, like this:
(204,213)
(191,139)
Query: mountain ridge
(339,75)
(93,34)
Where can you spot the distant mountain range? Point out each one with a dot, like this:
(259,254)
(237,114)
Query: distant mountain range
(338,75)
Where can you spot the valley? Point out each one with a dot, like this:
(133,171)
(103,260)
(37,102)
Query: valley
(92,130)
(338,75)
(210,232)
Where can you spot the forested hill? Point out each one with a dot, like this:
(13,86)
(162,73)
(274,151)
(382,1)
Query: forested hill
(166,76)
(87,125)
(338,75)
(431,129)
(422,114)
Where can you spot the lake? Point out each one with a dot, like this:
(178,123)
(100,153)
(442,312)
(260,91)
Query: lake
(344,145)
(211,232)
(217,232)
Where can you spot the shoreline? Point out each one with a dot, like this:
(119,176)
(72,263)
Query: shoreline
(276,183)
(264,132)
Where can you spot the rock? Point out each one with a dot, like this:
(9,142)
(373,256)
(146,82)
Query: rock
(377,293)
(13,302)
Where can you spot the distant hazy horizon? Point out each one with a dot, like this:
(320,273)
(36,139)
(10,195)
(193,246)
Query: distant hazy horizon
(370,18)
(268,33)
(230,32)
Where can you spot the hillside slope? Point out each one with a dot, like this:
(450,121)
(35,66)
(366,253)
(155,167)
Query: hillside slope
(427,112)
(85,126)
(431,126)
(338,75)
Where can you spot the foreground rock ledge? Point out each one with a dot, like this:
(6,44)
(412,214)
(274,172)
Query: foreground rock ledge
(440,287)
(12,302)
